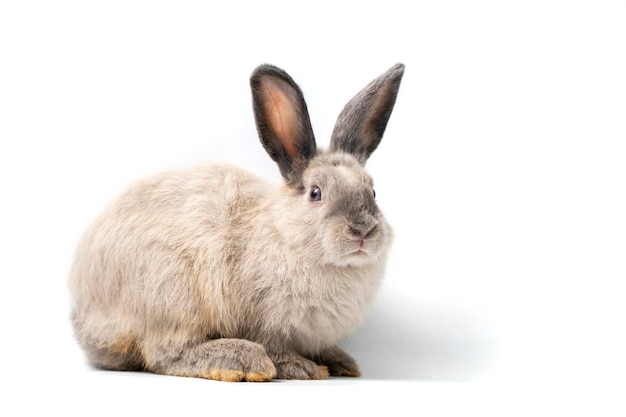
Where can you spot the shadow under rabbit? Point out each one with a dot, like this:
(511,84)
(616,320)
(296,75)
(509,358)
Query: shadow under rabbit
(403,340)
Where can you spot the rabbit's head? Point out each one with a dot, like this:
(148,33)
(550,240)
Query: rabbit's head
(331,197)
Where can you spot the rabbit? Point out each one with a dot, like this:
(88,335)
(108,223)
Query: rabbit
(217,273)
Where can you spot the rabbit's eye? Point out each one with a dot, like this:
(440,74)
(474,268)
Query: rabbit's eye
(315,194)
(374,192)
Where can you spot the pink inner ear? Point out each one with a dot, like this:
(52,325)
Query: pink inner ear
(281,114)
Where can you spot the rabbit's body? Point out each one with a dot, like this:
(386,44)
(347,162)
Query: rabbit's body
(214,272)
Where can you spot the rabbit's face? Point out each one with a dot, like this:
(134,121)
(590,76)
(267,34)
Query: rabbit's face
(340,193)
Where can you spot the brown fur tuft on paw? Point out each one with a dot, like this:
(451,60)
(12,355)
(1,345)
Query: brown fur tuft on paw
(324,372)
(259,377)
(229,375)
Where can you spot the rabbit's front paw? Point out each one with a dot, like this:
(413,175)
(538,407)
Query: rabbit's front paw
(231,360)
(290,365)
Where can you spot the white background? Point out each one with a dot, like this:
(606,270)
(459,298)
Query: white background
(502,171)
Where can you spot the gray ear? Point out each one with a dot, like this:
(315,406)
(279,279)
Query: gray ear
(362,122)
(282,120)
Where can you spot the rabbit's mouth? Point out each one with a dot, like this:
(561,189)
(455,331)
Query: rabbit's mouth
(358,257)
(361,252)
(362,248)
(356,248)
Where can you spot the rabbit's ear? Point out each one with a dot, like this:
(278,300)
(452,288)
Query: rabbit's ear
(282,120)
(362,122)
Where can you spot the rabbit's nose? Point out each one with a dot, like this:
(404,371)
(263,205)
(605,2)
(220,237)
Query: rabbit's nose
(363,231)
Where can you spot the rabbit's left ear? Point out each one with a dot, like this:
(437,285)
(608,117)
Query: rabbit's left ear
(282,120)
(362,122)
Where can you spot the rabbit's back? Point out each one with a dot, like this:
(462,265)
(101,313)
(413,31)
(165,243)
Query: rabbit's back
(159,257)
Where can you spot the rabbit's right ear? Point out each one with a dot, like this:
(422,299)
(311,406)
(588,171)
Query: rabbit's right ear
(282,120)
(361,124)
